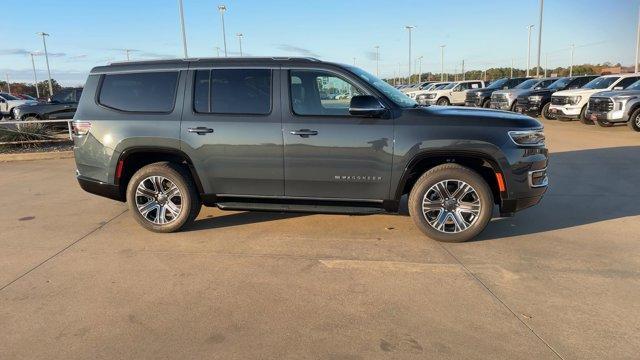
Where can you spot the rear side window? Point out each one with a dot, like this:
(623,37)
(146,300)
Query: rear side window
(233,91)
(139,92)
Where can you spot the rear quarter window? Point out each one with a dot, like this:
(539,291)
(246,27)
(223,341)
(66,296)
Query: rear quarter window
(153,92)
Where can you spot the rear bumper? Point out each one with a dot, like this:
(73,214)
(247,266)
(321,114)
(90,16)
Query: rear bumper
(100,188)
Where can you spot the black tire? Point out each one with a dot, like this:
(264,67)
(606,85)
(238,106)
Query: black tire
(189,200)
(583,116)
(457,173)
(634,120)
(513,106)
(545,112)
(443,101)
(486,104)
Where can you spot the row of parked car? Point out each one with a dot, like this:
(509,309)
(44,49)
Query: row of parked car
(603,100)
(61,105)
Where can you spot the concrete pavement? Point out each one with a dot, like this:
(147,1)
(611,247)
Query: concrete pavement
(79,279)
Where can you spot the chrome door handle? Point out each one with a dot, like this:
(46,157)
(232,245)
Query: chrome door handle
(200,130)
(305,133)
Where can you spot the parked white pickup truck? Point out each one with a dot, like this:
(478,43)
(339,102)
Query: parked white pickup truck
(452,94)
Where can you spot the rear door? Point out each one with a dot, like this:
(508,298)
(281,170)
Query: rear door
(231,129)
(327,152)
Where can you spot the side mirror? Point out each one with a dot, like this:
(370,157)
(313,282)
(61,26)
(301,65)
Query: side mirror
(366,105)
(618,88)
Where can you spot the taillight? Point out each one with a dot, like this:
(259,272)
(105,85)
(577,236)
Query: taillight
(80,127)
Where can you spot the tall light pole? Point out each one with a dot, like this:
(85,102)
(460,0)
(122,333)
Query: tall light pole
(409,28)
(511,73)
(463,76)
(638,42)
(8,85)
(399,76)
(420,68)
(539,37)
(35,77)
(354,61)
(239,35)
(546,64)
(222,9)
(127,51)
(218,51)
(442,62)
(529,49)
(377,60)
(46,56)
(184,34)
(573,48)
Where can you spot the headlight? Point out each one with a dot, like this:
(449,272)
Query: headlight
(574,99)
(421,97)
(621,101)
(535,98)
(527,137)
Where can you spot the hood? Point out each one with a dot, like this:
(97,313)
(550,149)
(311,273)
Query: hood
(21,102)
(512,92)
(617,93)
(574,92)
(535,92)
(486,117)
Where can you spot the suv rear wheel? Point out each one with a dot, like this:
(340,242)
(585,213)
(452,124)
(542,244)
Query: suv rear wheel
(634,120)
(451,203)
(545,112)
(163,197)
(486,104)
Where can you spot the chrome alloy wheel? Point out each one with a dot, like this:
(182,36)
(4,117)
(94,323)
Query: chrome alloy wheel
(637,119)
(158,200)
(451,206)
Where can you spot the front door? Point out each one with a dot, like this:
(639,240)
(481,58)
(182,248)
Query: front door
(231,129)
(327,152)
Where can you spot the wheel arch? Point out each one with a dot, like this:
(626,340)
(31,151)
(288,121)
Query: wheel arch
(484,164)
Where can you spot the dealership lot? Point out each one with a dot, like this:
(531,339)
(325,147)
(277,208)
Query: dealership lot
(79,278)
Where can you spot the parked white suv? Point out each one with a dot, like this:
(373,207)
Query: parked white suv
(8,102)
(452,94)
(431,87)
(572,104)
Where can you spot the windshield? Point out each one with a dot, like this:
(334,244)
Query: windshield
(450,86)
(389,91)
(498,84)
(440,86)
(527,84)
(560,83)
(8,96)
(601,82)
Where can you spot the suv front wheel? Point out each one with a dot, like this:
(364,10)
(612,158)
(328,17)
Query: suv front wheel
(163,197)
(634,120)
(451,203)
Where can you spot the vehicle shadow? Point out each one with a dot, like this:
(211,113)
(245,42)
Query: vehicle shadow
(585,187)
(239,218)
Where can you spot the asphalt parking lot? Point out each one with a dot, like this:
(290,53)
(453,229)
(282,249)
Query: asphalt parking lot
(80,279)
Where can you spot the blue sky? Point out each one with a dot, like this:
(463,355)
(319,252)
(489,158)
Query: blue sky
(484,33)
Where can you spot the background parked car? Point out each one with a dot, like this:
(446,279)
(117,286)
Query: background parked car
(452,94)
(62,105)
(537,101)
(429,87)
(506,99)
(9,102)
(572,104)
(482,97)
(416,87)
(610,107)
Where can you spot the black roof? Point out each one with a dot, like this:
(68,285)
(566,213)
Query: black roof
(185,63)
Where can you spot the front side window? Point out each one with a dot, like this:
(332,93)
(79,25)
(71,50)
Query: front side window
(139,92)
(601,82)
(498,84)
(626,82)
(8,96)
(316,92)
(527,84)
(634,86)
(63,96)
(233,91)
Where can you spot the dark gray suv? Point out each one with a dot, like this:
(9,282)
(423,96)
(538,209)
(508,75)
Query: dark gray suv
(297,134)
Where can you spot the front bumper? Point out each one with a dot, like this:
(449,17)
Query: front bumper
(526,179)
(566,111)
(610,116)
(528,108)
(500,105)
(427,101)
(100,188)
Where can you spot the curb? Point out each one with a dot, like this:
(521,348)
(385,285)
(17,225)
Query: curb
(36,156)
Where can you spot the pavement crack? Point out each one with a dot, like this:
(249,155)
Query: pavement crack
(477,279)
(103,224)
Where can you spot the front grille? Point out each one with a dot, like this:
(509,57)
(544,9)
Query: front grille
(471,97)
(600,104)
(522,100)
(559,100)
(500,97)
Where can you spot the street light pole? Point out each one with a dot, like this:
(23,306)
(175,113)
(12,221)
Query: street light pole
(184,34)
(222,9)
(409,27)
(354,61)
(573,47)
(35,77)
(127,52)
(539,37)
(218,51)
(546,64)
(377,60)
(8,85)
(46,56)
(637,42)
(463,76)
(442,62)
(529,50)
(420,69)
(239,35)
(511,74)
